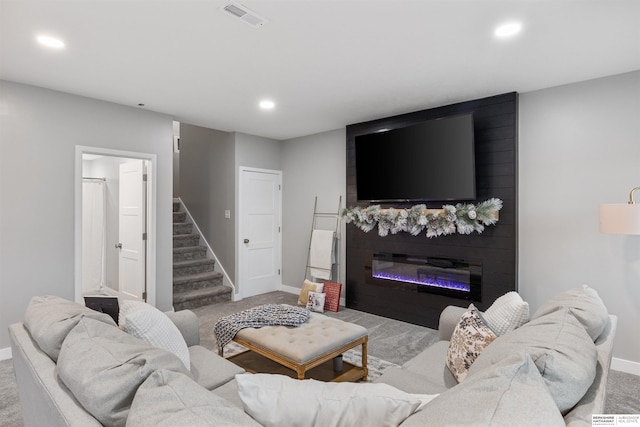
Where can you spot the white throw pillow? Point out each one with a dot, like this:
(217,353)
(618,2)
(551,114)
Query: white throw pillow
(277,400)
(507,313)
(153,326)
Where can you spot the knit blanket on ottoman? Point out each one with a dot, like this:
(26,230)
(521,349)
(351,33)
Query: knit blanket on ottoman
(263,315)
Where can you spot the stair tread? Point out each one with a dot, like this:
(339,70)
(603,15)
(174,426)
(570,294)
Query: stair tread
(189,262)
(186,236)
(200,293)
(207,275)
(190,249)
(182,223)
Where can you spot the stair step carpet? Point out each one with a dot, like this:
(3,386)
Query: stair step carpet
(195,283)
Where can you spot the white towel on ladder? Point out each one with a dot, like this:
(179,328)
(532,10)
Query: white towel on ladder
(321,254)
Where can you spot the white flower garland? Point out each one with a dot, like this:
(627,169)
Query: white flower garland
(464,218)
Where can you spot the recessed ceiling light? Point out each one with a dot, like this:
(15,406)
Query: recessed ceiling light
(508,29)
(50,42)
(267,104)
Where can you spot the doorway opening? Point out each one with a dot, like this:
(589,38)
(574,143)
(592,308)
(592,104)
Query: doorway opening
(115,213)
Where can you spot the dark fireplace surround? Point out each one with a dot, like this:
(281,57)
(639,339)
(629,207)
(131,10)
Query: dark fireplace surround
(413,278)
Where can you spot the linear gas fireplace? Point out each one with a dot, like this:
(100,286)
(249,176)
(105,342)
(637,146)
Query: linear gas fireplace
(444,276)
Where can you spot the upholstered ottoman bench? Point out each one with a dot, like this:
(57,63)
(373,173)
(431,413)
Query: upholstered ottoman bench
(305,347)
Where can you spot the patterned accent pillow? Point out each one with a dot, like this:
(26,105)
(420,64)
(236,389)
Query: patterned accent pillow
(470,337)
(316,301)
(507,313)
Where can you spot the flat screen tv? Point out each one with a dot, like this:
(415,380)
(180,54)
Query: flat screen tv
(430,161)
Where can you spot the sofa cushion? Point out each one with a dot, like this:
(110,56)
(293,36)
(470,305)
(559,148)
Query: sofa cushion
(507,313)
(210,370)
(430,364)
(277,400)
(585,304)
(146,322)
(50,318)
(410,381)
(561,349)
(509,394)
(168,398)
(103,367)
(470,337)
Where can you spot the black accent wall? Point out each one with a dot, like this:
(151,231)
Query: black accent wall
(496,136)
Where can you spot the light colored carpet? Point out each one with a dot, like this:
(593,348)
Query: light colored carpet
(390,342)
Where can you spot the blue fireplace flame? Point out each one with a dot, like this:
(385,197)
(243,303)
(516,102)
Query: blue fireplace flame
(438,282)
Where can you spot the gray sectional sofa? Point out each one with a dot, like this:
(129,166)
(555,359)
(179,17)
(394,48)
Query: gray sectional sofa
(543,373)
(553,370)
(47,400)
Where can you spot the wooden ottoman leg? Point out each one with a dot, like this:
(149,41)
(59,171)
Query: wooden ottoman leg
(300,371)
(364,359)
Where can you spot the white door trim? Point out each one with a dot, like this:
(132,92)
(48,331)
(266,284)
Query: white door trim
(239,220)
(151,212)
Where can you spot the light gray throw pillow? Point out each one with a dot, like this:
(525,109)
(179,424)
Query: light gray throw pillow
(278,401)
(50,318)
(168,399)
(585,304)
(146,322)
(509,394)
(104,366)
(561,349)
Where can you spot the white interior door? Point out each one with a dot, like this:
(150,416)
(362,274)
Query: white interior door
(131,260)
(260,253)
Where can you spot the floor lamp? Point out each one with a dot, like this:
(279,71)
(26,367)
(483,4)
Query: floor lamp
(621,218)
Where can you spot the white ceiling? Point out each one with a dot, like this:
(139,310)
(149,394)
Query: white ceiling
(326,63)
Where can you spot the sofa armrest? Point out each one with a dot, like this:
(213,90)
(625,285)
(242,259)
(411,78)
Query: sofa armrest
(449,318)
(188,325)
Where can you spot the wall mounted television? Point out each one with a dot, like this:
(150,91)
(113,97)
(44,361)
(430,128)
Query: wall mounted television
(430,161)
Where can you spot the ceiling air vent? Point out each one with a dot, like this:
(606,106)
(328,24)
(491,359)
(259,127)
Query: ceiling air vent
(245,14)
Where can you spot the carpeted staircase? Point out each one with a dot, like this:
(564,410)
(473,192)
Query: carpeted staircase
(195,283)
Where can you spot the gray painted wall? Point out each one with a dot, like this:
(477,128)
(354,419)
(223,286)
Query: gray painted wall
(39,130)
(207,175)
(257,152)
(580,147)
(312,166)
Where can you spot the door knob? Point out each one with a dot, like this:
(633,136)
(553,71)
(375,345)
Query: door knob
(118,245)
(246,240)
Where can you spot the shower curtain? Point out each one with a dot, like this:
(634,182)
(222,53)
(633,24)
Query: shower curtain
(93,234)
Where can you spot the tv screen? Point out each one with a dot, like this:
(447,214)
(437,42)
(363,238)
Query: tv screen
(433,160)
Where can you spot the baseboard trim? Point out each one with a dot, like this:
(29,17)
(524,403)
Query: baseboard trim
(296,291)
(5,353)
(626,366)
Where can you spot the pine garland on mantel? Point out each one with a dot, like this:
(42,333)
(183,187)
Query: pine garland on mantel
(464,218)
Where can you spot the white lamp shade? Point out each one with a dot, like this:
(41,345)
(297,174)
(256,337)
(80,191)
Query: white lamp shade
(620,218)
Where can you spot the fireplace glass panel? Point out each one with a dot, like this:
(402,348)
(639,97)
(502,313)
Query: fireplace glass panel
(460,278)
